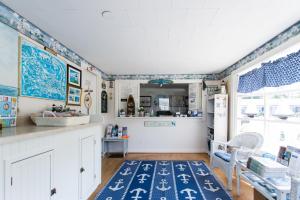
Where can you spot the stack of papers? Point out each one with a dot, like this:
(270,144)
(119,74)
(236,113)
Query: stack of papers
(266,167)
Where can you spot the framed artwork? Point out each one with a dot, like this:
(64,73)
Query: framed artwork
(74,96)
(104,102)
(103,85)
(8,111)
(145,101)
(74,76)
(42,75)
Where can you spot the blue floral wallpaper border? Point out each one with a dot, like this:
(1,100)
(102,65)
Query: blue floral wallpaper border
(276,41)
(165,76)
(19,23)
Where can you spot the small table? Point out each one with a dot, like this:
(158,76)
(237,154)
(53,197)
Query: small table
(106,141)
(281,190)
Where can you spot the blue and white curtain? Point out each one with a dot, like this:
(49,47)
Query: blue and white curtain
(283,71)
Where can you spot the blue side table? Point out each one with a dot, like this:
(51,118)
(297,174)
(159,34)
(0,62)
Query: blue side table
(121,141)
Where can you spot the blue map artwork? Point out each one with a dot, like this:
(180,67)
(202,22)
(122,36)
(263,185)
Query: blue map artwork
(43,75)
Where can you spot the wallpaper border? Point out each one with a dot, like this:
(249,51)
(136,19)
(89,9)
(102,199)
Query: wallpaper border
(20,24)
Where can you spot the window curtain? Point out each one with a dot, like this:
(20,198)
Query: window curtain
(283,71)
(252,81)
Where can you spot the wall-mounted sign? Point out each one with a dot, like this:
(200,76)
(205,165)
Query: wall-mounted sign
(159,123)
(103,102)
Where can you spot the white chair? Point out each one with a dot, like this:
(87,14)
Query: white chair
(242,146)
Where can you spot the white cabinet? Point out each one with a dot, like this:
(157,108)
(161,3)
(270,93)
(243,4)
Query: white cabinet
(24,178)
(217,118)
(65,162)
(87,170)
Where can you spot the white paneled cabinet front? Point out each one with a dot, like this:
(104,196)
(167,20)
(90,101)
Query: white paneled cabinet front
(24,178)
(62,166)
(87,170)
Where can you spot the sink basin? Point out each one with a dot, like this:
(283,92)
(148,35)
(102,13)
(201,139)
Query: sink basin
(60,121)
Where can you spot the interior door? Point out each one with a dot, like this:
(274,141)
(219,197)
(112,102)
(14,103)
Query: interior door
(30,178)
(87,170)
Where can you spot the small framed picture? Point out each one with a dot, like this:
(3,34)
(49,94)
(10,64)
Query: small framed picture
(145,101)
(103,85)
(74,76)
(74,96)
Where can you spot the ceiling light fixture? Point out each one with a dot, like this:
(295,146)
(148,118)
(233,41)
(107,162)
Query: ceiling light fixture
(105,13)
(160,82)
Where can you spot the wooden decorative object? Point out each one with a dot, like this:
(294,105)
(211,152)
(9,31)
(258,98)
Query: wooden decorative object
(130,106)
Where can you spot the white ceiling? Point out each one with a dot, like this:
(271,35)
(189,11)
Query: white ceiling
(161,36)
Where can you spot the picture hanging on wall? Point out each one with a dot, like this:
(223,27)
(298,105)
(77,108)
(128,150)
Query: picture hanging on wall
(145,101)
(103,102)
(74,76)
(8,111)
(42,75)
(74,96)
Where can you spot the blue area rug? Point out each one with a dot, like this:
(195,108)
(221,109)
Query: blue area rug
(163,180)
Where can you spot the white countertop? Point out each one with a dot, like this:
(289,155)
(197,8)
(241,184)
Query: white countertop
(19,133)
(160,118)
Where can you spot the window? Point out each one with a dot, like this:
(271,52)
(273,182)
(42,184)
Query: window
(273,112)
(164,104)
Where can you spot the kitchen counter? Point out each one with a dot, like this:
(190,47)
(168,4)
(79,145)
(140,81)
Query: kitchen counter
(15,134)
(161,118)
(165,134)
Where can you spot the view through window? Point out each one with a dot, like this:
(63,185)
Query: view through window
(273,112)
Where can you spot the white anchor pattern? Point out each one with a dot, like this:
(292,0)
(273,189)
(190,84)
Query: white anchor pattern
(163,180)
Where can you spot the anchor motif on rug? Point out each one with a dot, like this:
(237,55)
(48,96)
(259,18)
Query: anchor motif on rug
(210,187)
(163,184)
(195,163)
(181,167)
(118,183)
(137,194)
(108,198)
(201,172)
(126,172)
(146,167)
(189,192)
(163,198)
(163,172)
(184,179)
(163,163)
(143,177)
(132,163)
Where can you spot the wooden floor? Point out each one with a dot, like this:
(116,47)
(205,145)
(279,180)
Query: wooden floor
(111,165)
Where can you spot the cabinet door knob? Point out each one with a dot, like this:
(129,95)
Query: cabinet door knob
(82,169)
(53,191)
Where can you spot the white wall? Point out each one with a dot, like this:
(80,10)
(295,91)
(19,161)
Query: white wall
(9,76)
(188,136)
(8,56)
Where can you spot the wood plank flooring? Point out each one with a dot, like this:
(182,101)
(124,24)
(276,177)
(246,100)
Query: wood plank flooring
(111,165)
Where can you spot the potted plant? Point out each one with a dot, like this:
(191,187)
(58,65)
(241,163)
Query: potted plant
(141,111)
(122,113)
